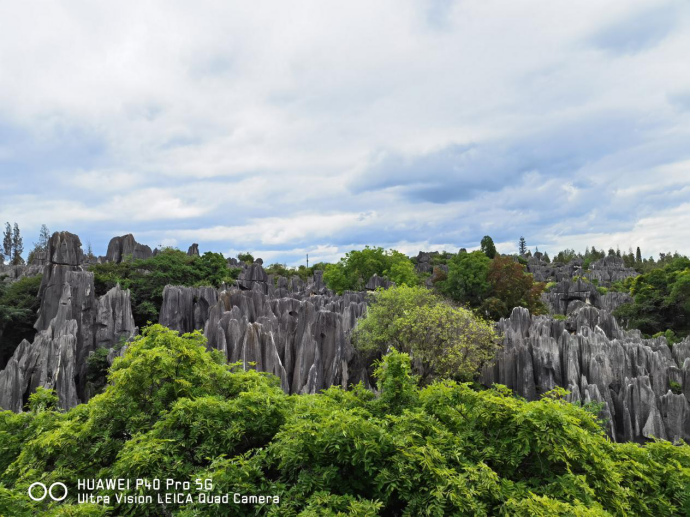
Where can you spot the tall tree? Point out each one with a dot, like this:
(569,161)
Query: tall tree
(7,241)
(17,245)
(638,256)
(43,237)
(522,246)
(488,247)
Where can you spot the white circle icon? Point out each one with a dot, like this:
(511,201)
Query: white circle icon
(47,491)
(64,495)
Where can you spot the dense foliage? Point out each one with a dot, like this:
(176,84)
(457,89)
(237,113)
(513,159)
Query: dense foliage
(146,278)
(493,286)
(354,270)
(301,271)
(661,300)
(444,341)
(19,303)
(175,410)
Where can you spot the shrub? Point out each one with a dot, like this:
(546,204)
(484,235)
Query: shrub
(146,278)
(19,305)
(354,270)
(675,387)
(175,410)
(443,340)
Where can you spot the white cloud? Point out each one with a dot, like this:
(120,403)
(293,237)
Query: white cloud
(250,123)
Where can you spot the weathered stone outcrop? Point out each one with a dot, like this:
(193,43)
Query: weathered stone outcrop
(123,247)
(569,295)
(378,282)
(603,272)
(298,331)
(71,324)
(185,309)
(609,269)
(193,250)
(597,361)
(424,262)
(11,273)
(253,275)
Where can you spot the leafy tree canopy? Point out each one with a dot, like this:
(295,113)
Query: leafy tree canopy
(19,304)
(354,270)
(467,278)
(661,300)
(175,410)
(443,340)
(488,247)
(146,278)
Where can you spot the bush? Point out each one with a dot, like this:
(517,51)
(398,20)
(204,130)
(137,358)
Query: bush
(175,410)
(19,305)
(675,387)
(146,278)
(443,340)
(354,270)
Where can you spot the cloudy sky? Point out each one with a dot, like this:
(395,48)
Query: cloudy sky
(283,128)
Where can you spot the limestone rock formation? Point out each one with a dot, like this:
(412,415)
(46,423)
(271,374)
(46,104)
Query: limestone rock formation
(11,273)
(186,309)
(120,248)
(424,262)
(253,275)
(298,331)
(597,361)
(609,269)
(604,272)
(193,250)
(71,324)
(568,295)
(378,282)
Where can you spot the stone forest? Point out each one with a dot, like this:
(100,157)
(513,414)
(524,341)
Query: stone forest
(525,382)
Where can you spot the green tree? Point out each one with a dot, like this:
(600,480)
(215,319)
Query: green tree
(17,246)
(146,278)
(488,247)
(467,278)
(510,287)
(19,305)
(661,299)
(354,270)
(443,340)
(246,258)
(638,256)
(7,242)
(175,410)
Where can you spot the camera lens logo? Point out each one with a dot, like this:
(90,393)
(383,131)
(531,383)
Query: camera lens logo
(53,491)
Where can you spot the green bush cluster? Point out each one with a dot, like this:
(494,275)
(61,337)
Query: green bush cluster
(445,341)
(19,305)
(354,270)
(146,278)
(661,300)
(492,286)
(175,410)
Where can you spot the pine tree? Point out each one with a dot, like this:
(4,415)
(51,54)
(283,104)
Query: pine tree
(43,238)
(17,246)
(522,246)
(7,241)
(638,256)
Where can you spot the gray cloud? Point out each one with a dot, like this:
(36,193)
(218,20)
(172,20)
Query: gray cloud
(285,128)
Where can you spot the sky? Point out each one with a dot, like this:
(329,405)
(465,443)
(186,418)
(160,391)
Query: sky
(287,128)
